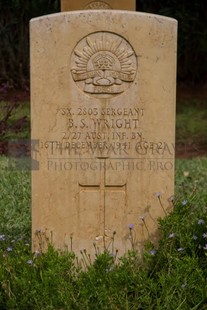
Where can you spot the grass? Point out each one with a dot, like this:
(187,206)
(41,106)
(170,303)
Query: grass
(172,276)
(17,125)
(191,176)
(15,201)
(191,124)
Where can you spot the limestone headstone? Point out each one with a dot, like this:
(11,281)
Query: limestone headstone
(103,110)
(70,5)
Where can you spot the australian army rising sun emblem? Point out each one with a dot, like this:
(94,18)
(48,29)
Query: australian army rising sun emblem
(103,64)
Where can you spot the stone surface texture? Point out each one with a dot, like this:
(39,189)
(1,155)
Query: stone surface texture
(71,5)
(103,111)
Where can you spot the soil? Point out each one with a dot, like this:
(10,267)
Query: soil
(14,95)
(190,151)
(184,93)
(187,92)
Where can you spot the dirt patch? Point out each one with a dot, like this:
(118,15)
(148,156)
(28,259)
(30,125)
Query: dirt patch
(185,93)
(14,95)
(190,151)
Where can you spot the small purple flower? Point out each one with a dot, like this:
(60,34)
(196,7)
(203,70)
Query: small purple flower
(180,249)
(131,226)
(172,235)
(30,262)
(184,202)
(153,252)
(9,249)
(205,247)
(200,222)
(195,237)
(205,235)
(2,237)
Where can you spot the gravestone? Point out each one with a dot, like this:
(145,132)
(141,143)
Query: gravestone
(70,5)
(103,111)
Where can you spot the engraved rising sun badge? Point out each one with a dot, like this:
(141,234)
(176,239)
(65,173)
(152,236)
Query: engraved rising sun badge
(103,64)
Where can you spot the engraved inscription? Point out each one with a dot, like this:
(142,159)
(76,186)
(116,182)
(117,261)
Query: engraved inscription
(98,5)
(112,132)
(103,64)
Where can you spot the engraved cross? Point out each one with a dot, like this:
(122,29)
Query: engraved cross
(103,187)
